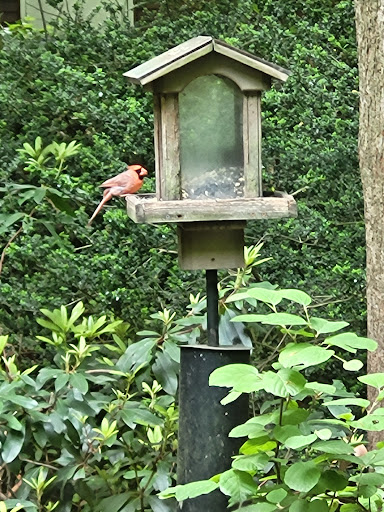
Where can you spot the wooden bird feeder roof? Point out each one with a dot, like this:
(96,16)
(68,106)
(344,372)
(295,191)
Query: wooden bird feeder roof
(193,49)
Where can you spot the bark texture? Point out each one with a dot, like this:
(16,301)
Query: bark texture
(370,39)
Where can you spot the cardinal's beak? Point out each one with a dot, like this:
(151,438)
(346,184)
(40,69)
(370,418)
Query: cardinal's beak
(143,172)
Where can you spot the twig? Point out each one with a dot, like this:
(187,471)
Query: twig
(13,237)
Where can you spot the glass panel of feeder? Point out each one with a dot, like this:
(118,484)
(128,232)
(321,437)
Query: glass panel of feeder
(211,139)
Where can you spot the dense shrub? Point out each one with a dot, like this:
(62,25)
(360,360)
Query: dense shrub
(69,86)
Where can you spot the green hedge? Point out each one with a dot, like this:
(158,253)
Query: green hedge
(70,87)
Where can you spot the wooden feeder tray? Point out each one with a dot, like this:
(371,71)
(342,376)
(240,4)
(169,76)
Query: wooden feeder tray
(145,208)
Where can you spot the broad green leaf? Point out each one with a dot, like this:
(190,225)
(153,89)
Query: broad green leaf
(293,416)
(256,461)
(61,381)
(257,445)
(264,295)
(191,490)
(372,423)
(133,416)
(114,503)
(136,354)
(303,355)
(375,479)
(351,342)
(166,372)
(12,445)
(353,365)
(238,485)
(298,442)
(23,401)
(231,397)
(296,296)
(259,507)
(319,387)
(8,220)
(78,381)
(350,507)
(243,378)
(361,402)
(375,380)
(251,430)
(282,319)
(322,326)
(333,480)
(277,495)
(324,434)
(302,476)
(283,383)
(282,433)
(336,447)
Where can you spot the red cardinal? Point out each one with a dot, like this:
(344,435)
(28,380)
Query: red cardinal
(127,182)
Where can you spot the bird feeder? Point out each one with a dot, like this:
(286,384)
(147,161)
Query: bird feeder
(207,117)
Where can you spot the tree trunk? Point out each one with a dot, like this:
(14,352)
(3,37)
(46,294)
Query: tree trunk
(370,39)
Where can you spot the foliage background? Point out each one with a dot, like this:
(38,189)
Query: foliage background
(68,85)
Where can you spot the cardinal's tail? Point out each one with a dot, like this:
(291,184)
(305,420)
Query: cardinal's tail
(106,198)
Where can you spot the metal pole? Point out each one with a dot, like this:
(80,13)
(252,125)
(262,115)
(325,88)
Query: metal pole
(212,308)
(204,423)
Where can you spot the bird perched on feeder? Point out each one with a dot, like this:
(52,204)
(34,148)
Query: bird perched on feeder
(127,182)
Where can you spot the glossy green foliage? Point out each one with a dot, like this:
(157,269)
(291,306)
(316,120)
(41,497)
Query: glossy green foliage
(303,448)
(68,86)
(95,429)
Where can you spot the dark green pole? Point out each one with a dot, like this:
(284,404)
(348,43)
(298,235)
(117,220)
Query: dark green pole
(204,424)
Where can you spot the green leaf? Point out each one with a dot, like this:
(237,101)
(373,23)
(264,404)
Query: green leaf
(257,445)
(296,296)
(23,401)
(283,383)
(302,476)
(324,434)
(249,429)
(351,342)
(282,433)
(252,462)
(336,447)
(114,503)
(321,388)
(303,355)
(372,423)
(376,380)
(264,295)
(332,480)
(12,445)
(231,397)
(375,479)
(8,220)
(259,507)
(299,442)
(238,485)
(353,365)
(361,402)
(166,372)
(136,354)
(191,490)
(243,378)
(350,507)
(133,416)
(282,319)
(78,381)
(3,343)
(277,495)
(322,326)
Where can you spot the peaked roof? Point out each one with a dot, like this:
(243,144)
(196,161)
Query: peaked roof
(193,49)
